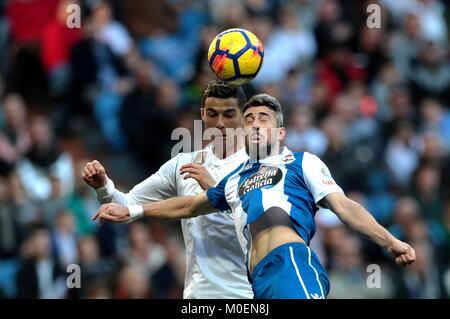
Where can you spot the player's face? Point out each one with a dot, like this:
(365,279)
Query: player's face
(222,114)
(262,134)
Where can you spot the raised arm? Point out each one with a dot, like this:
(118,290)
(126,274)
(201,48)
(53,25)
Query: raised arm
(358,218)
(159,186)
(170,209)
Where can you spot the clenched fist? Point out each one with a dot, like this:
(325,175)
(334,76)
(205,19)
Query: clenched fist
(94,175)
(402,253)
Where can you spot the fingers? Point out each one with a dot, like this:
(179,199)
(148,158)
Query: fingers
(191,168)
(99,212)
(404,260)
(190,172)
(412,254)
(111,212)
(400,260)
(105,214)
(190,165)
(87,173)
(409,256)
(98,167)
(93,168)
(192,175)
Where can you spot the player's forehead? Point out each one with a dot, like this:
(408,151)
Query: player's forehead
(220,104)
(259,110)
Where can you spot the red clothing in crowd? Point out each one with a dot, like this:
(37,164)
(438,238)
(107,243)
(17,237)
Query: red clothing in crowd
(56,43)
(27,18)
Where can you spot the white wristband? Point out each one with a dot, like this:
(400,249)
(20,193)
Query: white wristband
(136,211)
(106,191)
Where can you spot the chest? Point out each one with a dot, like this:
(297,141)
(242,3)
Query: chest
(280,181)
(217,170)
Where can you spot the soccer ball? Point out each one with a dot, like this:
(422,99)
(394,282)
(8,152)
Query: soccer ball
(236,56)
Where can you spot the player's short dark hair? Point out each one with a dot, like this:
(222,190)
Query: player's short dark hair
(224,90)
(269,101)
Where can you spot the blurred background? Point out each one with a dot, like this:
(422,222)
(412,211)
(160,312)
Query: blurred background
(372,103)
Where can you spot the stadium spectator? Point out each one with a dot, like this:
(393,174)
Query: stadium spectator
(43,162)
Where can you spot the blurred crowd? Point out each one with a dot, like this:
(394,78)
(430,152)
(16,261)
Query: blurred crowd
(373,104)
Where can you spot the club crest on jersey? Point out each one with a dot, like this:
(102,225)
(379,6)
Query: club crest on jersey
(289,158)
(266,177)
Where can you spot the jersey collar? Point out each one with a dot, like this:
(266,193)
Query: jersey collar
(239,157)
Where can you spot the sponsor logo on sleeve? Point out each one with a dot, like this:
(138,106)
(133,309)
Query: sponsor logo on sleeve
(326,176)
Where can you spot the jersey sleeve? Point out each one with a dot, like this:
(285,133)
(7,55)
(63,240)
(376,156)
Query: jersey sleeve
(159,186)
(318,177)
(216,195)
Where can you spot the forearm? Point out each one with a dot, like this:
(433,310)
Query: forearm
(170,209)
(358,218)
(179,207)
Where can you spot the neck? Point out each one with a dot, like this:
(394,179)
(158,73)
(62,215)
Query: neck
(224,152)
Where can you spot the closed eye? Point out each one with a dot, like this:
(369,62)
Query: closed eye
(211,113)
(229,114)
(249,119)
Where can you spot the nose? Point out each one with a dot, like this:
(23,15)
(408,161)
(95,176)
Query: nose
(255,125)
(220,124)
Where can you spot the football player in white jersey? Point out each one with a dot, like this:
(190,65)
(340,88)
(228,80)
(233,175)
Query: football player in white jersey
(274,197)
(215,266)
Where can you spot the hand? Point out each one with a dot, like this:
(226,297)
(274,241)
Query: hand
(403,253)
(112,212)
(199,173)
(94,175)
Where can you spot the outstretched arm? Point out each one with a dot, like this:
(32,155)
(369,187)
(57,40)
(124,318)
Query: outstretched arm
(171,209)
(358,218)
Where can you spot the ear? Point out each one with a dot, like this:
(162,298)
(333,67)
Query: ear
(202,113)
(281,134)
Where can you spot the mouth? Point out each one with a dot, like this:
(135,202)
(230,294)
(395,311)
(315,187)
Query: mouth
(256,138)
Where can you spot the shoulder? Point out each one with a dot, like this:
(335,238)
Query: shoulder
(180,159)
(293,159)
(309,159)
(307,162)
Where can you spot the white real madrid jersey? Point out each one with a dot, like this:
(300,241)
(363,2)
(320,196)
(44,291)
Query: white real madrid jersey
(215,262)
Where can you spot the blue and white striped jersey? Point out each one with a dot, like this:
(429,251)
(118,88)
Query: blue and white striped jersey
(295,182)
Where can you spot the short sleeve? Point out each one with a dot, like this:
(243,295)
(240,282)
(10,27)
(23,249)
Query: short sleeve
(216,196)
(318,177)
